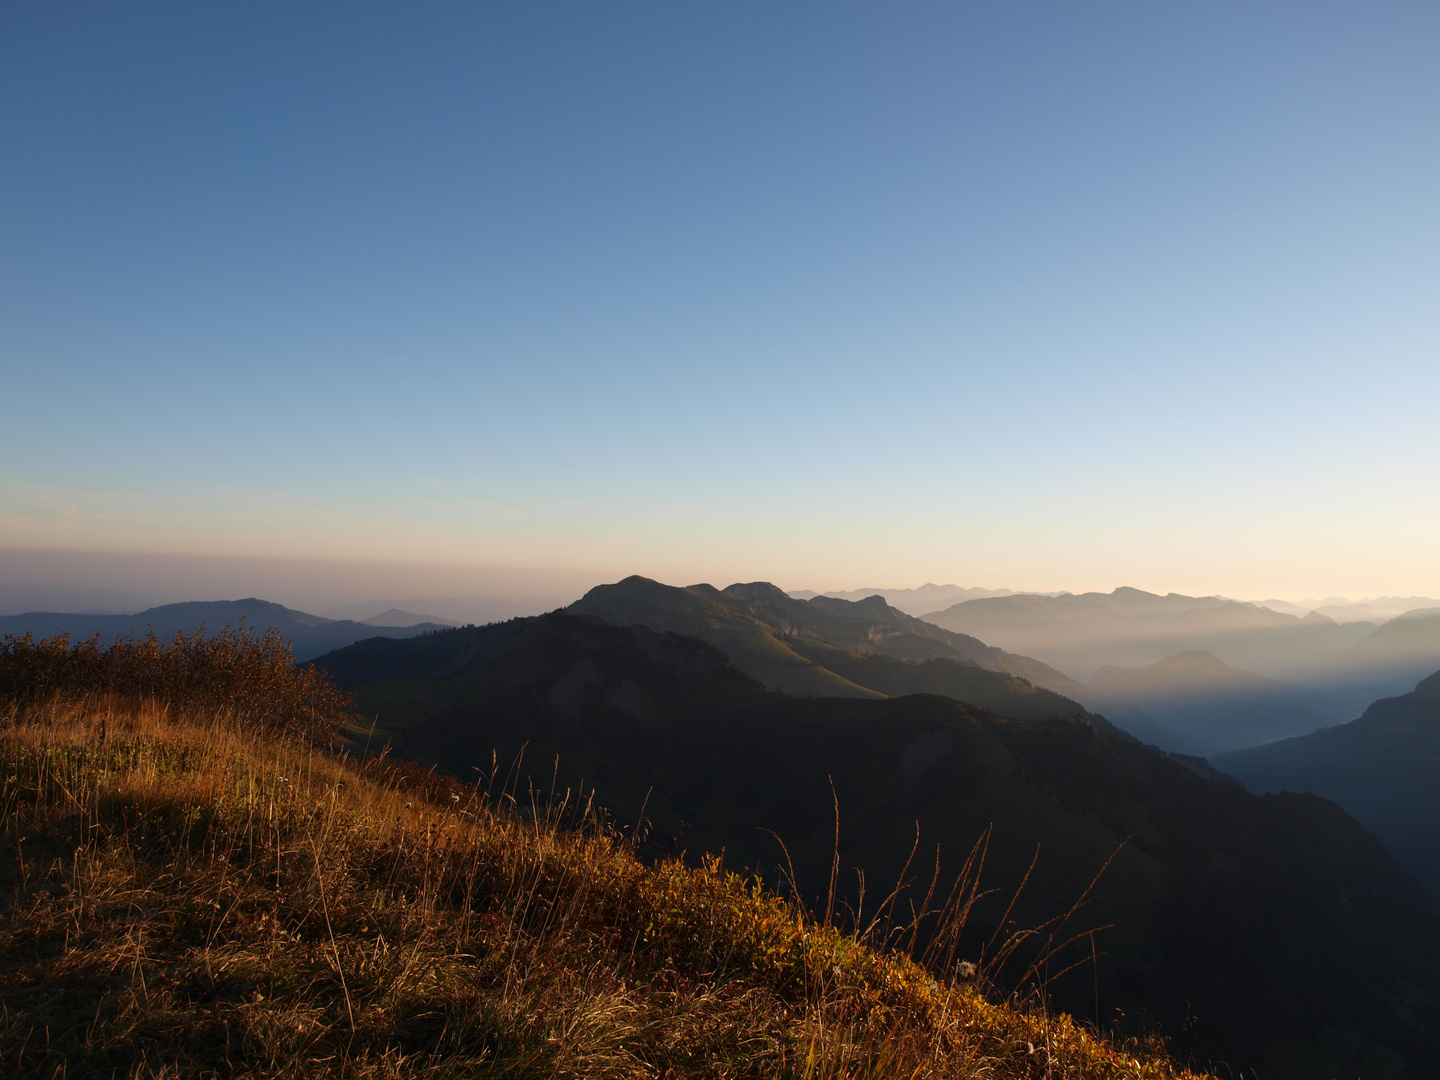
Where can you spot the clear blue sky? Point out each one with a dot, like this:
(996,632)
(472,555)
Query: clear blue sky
(1037,296)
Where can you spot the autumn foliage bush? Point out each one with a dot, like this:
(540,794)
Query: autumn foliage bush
(253,674)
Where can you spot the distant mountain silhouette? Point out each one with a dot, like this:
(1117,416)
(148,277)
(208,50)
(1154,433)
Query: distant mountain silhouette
(831,647)
(1384,768)
(1081,633)
(1276,924)
(1380,610)
(1395,655)
(1212,706)
(309,635)
(911,601)
(396,617)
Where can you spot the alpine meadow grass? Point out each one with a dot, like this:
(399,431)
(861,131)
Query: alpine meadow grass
(195,888)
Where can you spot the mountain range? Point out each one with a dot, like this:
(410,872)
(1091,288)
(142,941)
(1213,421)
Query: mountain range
(852,648)
(1271,932)
(1081,633)
(867,647)
(309,635)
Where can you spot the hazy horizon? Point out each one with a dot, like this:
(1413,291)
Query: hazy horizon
(127,582)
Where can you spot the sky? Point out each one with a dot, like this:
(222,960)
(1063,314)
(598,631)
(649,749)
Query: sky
(1056,296)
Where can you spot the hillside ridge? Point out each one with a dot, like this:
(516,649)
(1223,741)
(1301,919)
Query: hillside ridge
(190,899)
(833,647)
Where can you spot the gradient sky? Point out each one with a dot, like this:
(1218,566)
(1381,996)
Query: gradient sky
(1039,296)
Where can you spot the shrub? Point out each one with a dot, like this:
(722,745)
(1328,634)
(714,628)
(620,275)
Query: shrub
(253,674)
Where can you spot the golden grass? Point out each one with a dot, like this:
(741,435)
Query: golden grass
(236,669)
(184,895)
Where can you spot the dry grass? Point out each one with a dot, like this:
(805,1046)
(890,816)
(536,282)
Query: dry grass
(239,669)
(183,895)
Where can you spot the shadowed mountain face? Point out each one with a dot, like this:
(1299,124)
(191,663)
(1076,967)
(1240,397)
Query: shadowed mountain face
(1276,923)
(841,648)
(309,635)
(1212,706)
(1079,634)
(1384,768)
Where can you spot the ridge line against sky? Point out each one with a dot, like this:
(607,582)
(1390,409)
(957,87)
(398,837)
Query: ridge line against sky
(125,583)
(1049,296)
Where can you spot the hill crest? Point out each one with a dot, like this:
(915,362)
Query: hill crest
(834,647)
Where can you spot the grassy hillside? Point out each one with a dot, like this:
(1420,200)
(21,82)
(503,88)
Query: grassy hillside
(184,894)
(1384,768)
(1272,933)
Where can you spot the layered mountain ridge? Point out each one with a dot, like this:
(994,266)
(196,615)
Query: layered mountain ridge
(850,648)
(1080,633)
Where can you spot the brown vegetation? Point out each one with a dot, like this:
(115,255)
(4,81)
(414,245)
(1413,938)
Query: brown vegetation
(252,675)
(186,893)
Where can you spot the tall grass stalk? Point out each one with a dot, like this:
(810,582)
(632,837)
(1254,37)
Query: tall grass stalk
(186,891)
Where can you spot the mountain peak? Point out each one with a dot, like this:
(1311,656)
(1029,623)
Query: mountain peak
(756,590)
(633,581)
(874,606)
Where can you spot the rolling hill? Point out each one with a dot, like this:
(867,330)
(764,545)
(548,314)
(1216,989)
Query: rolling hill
(309,635)
(1384,768)
(1271,932)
